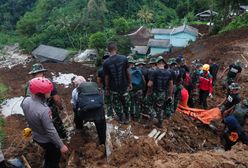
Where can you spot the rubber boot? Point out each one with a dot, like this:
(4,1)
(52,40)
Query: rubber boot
(127,119)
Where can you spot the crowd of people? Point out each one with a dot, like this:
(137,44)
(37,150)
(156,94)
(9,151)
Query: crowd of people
(128,89)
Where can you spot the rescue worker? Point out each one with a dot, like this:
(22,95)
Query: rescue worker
(205,85)
(101,84)
(76,82)
(39,118)
(118,82)
(233,73)
(232,98)
(234,132)
(195,78)
(54,102)
(148,100)
(136,94)
(240,111)
(214,68)
(161,84)
(94,115)
(177,81)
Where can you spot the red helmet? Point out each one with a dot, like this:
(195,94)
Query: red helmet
(40,85)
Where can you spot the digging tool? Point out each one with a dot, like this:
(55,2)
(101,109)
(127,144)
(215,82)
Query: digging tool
(70,161)
(244,58)
(27,165)
(108,144)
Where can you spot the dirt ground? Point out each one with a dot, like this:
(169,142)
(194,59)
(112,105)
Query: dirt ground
(187,143)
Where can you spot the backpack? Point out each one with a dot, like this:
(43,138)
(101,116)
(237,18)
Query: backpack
(137,80)
(89,97)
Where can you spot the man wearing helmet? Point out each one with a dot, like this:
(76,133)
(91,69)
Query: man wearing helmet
(39,119)
(233,73)
(54,102)
(232,98)
(205,85)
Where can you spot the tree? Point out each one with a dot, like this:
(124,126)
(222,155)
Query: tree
(120,25)
(123,44)
(97,40)
(145,14)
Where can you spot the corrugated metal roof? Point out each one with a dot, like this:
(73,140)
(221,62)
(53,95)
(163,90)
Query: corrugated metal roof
(245,7)
(45,52)
(185,28)
(140,49)
(206,13)
(161,31)
(159,43)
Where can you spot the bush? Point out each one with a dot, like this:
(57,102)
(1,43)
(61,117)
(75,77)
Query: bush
(3,92)
(97,40)
(121,25)
(238,22)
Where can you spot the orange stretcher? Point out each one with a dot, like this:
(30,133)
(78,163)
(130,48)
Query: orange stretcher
(205,116)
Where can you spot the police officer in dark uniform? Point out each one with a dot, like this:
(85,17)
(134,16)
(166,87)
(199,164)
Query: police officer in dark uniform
(54,102)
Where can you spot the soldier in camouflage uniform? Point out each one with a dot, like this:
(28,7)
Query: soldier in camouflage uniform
(148,100)
(233,74)
(54,102)
(161,84)
(101,84)
(118,82)
(177,81)
(136,94)
(195,76)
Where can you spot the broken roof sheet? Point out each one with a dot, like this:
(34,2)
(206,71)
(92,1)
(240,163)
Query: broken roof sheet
(159,43)
(185,28)
(161,31)
(141,49)
(206,13)
(44,53)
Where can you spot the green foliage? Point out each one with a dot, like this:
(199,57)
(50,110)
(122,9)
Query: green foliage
(145,14)
(8,38)
(123,44)
(2,134)
(3,92)
(97,40)
(70,23)
(238,22)
(12,10)
(120,25)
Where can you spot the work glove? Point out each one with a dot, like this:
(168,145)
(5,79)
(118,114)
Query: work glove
(210,95)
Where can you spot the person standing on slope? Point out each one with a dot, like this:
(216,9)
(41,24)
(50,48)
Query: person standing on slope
(39,119)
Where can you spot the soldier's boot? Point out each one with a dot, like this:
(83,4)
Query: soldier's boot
(160,124)
(122,118)
(127,119)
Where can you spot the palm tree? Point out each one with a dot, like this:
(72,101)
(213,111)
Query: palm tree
(145,14)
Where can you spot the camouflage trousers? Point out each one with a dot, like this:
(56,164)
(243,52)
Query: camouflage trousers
(136,100)
(108,105)
(121,103)
(57,122)
(195,93)
(177,95)
(156,105)
(227,81)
